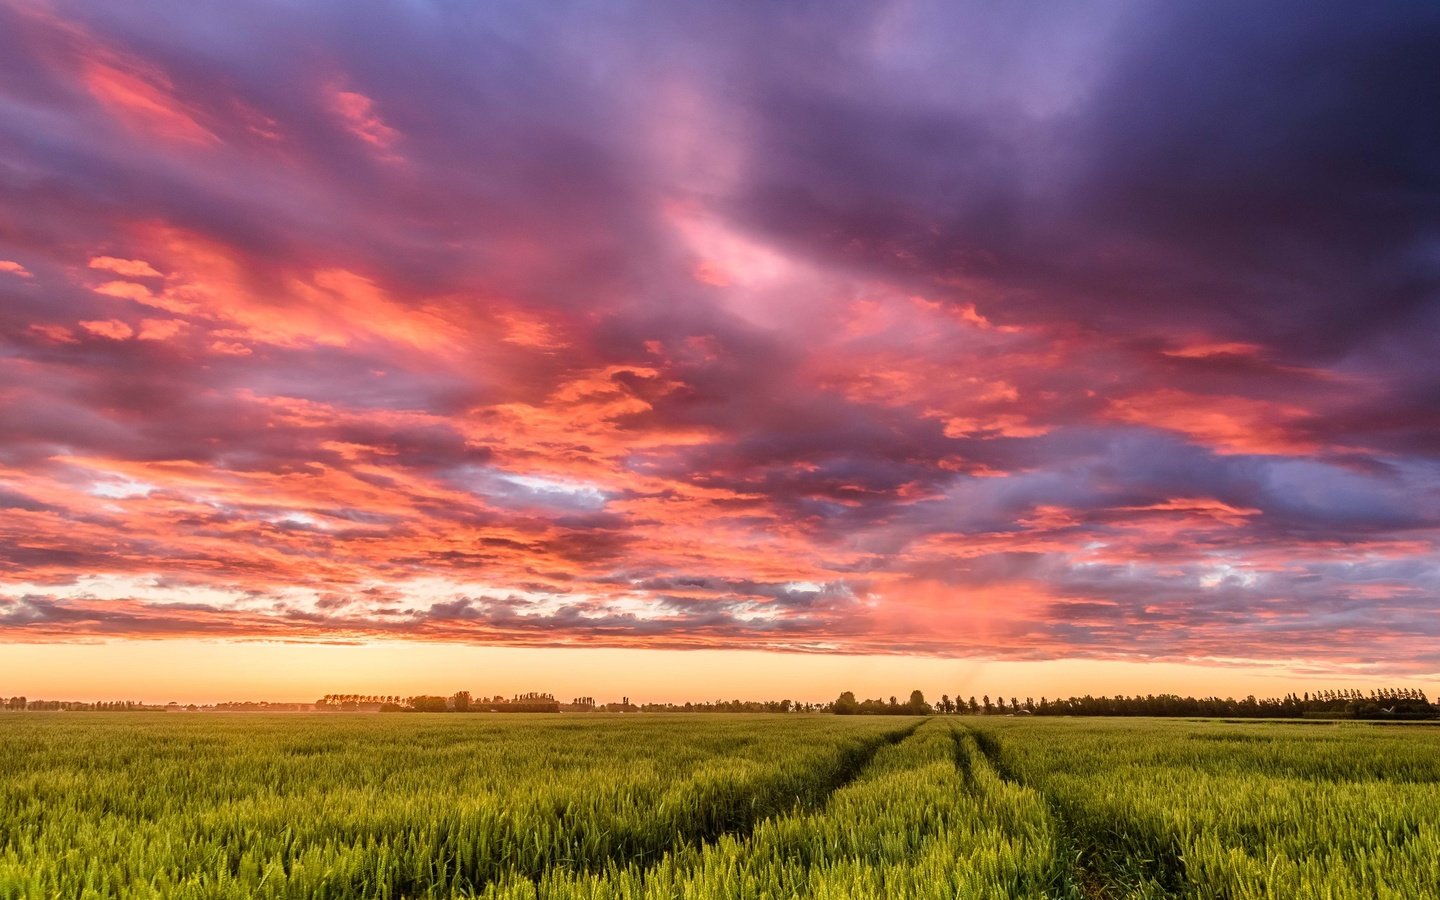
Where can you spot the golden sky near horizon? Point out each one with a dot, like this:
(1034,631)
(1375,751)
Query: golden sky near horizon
(189,671)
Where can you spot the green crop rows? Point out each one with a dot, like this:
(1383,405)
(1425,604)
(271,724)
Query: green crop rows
(93,805)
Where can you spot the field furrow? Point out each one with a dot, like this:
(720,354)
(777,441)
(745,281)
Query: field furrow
(1106,861)
(927,818)
(387,808)
(1216,810)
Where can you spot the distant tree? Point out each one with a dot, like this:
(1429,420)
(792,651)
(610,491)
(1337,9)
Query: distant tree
(917,705)
(846,704)
(974,707)
(460,701)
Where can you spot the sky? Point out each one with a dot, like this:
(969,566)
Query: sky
(690,350)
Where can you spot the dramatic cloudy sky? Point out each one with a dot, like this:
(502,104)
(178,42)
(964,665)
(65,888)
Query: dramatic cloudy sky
(1014,332)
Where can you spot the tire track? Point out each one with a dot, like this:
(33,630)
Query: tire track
(850,768)
(1105,860)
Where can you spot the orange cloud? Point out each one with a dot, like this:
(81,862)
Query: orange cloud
(1204,349)
(1229,424)
(160,329)
(214,287)
(1004,425)
(131,268)
(527,330)
(1199,506)
(129,290)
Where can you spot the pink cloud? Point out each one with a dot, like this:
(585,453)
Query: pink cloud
(359,115)
(145,100)
(114,329)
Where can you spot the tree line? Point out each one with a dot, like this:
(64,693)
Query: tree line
(21,703)
(737,706)
(1381,703)
(458,702)
(847,705)
(464,701)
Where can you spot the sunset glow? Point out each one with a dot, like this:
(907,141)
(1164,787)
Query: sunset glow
(885,343)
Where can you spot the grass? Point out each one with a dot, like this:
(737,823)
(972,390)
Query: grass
(381,807)
(1254,810)
(722,806)
(928,818)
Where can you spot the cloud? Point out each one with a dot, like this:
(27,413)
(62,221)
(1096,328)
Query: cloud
(358,114)
(114,329)
(145,100)
(900,329)
(133,268)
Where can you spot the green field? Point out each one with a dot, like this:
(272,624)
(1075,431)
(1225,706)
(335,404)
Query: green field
(695,806)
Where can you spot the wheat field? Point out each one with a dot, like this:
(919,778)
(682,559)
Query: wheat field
(712,806)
